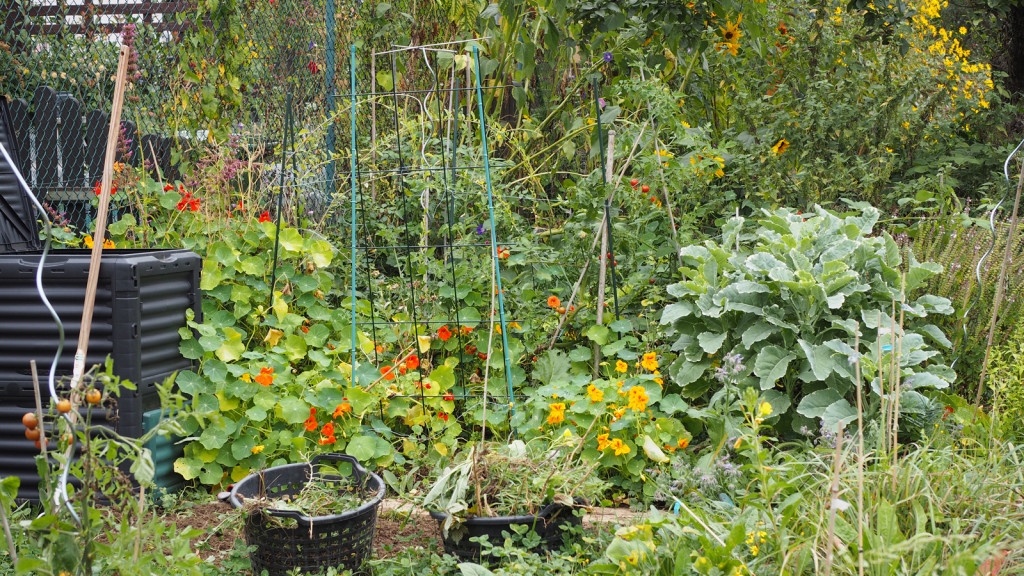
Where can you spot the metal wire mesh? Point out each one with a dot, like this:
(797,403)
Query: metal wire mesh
(57,60)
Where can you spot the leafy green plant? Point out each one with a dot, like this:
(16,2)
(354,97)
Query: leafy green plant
(1006,373)
(789,297)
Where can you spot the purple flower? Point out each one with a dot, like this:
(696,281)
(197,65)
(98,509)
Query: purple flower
(312,44)
(480,229)
(600,102)
(608,57)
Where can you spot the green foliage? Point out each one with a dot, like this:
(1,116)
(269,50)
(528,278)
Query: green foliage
(1006,378)
(789,298)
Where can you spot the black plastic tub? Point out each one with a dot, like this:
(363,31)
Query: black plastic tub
(549,523)
(311,544)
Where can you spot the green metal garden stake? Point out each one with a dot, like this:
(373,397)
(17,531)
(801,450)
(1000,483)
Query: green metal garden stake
(355,190)
(494,239)
(329,62)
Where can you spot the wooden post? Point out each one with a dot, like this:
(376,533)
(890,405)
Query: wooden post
(603,256)
(101,227)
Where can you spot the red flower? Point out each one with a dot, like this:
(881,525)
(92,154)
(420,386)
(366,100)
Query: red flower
(412,362)
(443,416)
(387,373)
(168,187)
(99,189)
(482,356)
(311,423)
(328,440)
(444,333)
(187,202)
(449,397)
(328,429)
(313,68)
(265,217)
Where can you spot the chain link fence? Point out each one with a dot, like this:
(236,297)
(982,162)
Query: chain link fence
(57,63)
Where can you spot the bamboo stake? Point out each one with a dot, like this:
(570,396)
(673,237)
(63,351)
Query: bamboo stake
(603,256)
(39,417)
(881,385)
(999,287)
(860,454)
(101,228)
(834,495)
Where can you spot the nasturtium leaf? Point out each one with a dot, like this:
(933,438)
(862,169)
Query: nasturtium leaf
(293,410)
(233,347)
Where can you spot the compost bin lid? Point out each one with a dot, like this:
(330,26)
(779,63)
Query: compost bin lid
(19,231)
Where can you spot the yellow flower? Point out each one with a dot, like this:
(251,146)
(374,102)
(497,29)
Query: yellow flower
(638,398)
(88,241)
(650,361)
(731,32)
(602,441)
(619,447)
(764,409)
(557,413)
(595,393)
(257,449)
(621,366)
(246,377)
(108,244)
(781,146)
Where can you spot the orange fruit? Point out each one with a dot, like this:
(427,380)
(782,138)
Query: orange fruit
(29,420)
(93,396)
(32,433)
(561,309)
(64,406)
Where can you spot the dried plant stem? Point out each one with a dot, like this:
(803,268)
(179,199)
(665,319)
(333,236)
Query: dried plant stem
(481,504)
(897,385)
(138,526)
(834,497)
(860,453)
(999,287)
(881,387)
(39,417)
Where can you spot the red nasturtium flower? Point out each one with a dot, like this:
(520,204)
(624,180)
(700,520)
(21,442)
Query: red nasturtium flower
(311,423)
(443,416)
(449,396)
(444,333)
(168,187)
(265,377)
(412,362)
(554,302)
(387,372)
(98,189)
(328,429)
(188,202)
(265,217)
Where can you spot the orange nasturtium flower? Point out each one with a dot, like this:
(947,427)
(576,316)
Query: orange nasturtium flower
(602,441)
(554,302)
(412,362)
(650,361)
(328,429)
(387,372)
(444,333)
(638,398)
(343,408)
(265,377)
(619,447)
(311,423)
(595,393)
(557,413)
(621,366)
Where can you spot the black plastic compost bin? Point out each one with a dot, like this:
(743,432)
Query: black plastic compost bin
(141,299)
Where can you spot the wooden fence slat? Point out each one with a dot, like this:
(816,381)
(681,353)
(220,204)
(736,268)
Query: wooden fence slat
(95,143)
(44,100)
(71,141)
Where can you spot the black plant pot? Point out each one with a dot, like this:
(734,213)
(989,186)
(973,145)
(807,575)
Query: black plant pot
(548,524)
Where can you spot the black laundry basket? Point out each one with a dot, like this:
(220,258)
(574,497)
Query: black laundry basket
(312,543)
